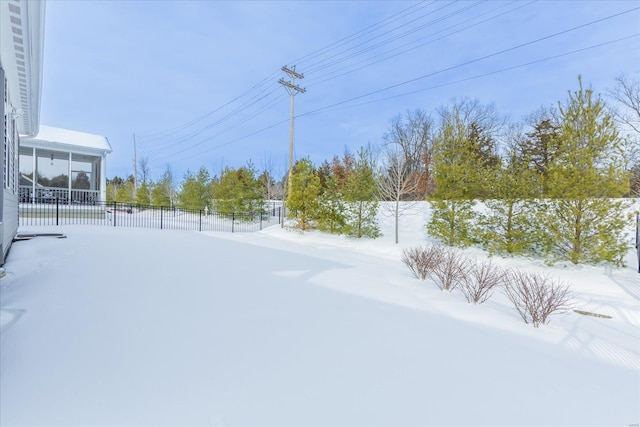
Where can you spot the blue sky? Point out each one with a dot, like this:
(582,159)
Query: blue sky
(197,82)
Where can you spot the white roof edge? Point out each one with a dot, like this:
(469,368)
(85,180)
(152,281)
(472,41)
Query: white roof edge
(66,137)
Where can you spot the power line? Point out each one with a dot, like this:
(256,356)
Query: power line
(317,111)
(231,114)
(319,64)
(526,64)
(396,52)
(179,149)
(500,52)
(168,132)
(172,143)
(364,31)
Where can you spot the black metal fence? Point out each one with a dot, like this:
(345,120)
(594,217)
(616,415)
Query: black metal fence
(115,214)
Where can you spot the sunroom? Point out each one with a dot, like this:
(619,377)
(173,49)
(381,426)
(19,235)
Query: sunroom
(63,166)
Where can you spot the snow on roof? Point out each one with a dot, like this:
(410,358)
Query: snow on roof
(71,137)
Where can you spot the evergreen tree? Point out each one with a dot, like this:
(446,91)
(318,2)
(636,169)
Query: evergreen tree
(341,169)
(360,192)
(584,221)
(112,189)
(162,193)
(458,181)
(196,190)
(125,192)
(540,146)
(326,174)
(331,207)
(238,190)
(143,194)
(82,181)
(508,225)
(483,146)
(302,200)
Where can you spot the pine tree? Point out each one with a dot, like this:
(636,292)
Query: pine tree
(584,220)
(341,169)
(458,180)
(540,146)
(360,194)
(143,194)
(162,193)
(196,190)
(331,207)
(238,190)
(302,200)
(125,192)
(507,222)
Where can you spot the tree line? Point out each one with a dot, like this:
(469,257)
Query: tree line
(552,185)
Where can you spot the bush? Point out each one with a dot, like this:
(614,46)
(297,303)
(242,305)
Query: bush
(422,261)
(451,270)
(536,296)
(482,278)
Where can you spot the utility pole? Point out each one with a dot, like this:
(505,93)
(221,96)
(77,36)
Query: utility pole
(293,89)
(135,164)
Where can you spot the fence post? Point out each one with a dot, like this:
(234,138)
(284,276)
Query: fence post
(115,209)
(233,221)
(161,209)
(57,211)
(200,226)
(261,221)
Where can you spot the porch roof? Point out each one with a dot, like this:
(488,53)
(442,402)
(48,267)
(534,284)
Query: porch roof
(68,140)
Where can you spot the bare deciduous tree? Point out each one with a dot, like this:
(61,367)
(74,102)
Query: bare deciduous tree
(396,183)
(626,95)
(413,136)
(272,168)
(481,281)
(143,164)
(536,296)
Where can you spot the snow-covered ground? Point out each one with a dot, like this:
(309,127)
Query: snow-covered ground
(121,326)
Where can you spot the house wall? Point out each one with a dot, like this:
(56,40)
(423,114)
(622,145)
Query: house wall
(9,177)
(3,107)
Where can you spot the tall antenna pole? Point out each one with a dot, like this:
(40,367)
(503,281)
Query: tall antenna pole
(135,164)
(293,89)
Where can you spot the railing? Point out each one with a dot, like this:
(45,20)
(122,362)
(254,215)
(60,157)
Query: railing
(132,215)
(57,195)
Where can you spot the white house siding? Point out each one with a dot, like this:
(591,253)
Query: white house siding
(21,55)
(9,177)
(9,223)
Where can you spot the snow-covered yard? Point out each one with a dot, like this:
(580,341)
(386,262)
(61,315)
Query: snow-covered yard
(119,326)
